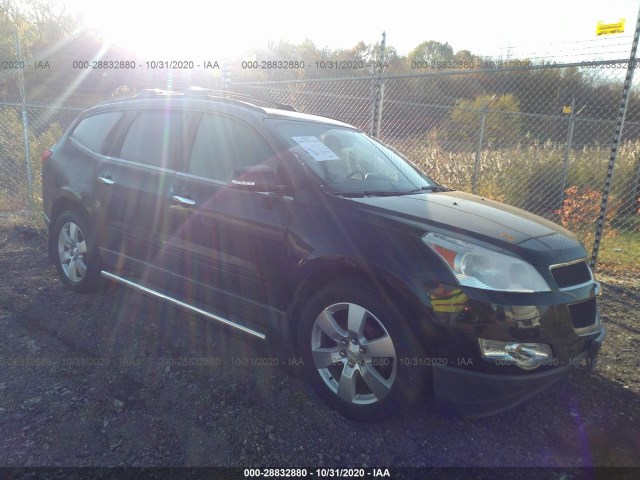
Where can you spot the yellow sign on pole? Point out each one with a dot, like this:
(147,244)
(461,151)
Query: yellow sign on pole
(610,28)
(566,109)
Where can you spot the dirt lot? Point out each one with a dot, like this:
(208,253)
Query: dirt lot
(108,379)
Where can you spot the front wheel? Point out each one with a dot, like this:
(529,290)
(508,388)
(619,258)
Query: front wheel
(356,349)
(75,252)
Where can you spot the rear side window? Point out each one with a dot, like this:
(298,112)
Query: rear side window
(155,137)
(92,131)
(223,144)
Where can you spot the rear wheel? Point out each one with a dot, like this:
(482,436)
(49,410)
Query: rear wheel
(357,352)
(76,255)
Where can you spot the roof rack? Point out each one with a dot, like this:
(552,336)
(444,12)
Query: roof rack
(206,92)
(154,92)
(199,92)
(144,93)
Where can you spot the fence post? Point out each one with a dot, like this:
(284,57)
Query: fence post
(27,152)
(25,123)
(622,113)
(567,152)
(635,195)
(476,165)
(378,92)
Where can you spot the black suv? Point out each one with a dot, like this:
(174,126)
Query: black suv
(304,230)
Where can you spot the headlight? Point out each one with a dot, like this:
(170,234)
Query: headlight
(479,267)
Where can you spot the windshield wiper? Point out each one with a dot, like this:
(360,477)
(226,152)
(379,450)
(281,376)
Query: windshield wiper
(428,188)
(392,193)
(371,193)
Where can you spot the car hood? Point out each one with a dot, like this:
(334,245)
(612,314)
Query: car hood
(529,236)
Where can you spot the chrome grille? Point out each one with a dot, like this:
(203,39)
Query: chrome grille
(572,274)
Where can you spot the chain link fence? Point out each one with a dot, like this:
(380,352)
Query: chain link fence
(25,132)
(545,151)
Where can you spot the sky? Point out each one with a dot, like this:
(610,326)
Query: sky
(195,29)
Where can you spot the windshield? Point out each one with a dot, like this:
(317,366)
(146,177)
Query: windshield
(350,162)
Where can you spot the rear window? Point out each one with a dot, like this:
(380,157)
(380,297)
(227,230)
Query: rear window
(92,131)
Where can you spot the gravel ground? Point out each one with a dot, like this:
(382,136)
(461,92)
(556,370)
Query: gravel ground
(108,380)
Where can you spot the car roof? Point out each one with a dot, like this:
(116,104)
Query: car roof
(204,98)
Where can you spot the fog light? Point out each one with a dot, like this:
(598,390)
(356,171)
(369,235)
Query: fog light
(524,355)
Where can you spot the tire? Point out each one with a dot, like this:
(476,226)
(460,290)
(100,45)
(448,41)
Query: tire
(356,352)
(74,251)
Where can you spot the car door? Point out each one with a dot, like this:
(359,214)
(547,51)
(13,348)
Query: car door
(232,239)
(135,185)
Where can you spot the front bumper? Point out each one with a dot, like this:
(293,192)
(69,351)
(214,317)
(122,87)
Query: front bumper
(478,394)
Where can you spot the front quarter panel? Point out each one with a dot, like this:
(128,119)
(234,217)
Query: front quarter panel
(337,238)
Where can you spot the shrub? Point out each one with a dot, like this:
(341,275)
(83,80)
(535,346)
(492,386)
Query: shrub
(580,211)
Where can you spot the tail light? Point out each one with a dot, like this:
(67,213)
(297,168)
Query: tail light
(46,155)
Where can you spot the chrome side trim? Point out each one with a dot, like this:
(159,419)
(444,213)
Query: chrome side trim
(180,304)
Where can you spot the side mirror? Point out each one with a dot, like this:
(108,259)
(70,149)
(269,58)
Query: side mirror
(257,178)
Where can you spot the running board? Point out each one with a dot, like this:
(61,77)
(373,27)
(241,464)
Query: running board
(180,304)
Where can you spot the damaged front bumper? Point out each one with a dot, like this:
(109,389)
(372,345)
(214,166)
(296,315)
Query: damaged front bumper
(476,394)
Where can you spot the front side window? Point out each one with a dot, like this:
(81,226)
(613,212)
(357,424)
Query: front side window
(155,137)
(350,162)
(223,145)
(92,131)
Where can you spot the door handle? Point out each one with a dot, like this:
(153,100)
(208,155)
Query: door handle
(184,201)
(106,180)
